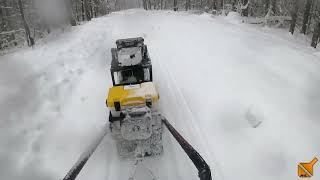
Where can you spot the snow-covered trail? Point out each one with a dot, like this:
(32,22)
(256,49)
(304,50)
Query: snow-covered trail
(211,75)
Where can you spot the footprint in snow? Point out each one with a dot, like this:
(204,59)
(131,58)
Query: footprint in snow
(254,117)
(83,99)
(65,81)
(80,71)
(270,159)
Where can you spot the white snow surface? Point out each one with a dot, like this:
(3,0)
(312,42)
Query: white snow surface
(210,74)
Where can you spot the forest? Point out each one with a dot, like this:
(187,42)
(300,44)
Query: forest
(23,22)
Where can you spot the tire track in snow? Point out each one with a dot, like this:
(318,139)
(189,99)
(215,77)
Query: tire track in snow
(192,125)
(174,156)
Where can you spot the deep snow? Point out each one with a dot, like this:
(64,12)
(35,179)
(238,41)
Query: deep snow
(216,80)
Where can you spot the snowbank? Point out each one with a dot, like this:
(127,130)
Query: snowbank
(233,17)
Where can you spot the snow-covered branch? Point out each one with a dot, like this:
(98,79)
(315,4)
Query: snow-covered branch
(10,32)
(5,7)
(245,6)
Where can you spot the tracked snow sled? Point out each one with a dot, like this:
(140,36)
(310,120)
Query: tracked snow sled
(134,122)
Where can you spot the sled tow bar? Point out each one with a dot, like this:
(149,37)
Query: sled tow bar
(77,167)
(204,171)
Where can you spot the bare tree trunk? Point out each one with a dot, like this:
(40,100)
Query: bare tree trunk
(266,6)
(144,2)
(311,14)
(30,40)
(294,16)
(234,4)
(306,16)
(2,24)
(316,35)
(72,21)
(77,11)
(149,4)
(175,5)
(222,4)
(9,23)
(245,12)
(2,20)
(87,10)
(96,9)
(274,6)
(5,13)
(188,5)
(161,4)
(91,8)
(213,4)
(82,10)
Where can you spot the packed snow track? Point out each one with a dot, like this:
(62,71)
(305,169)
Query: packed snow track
(245,98)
